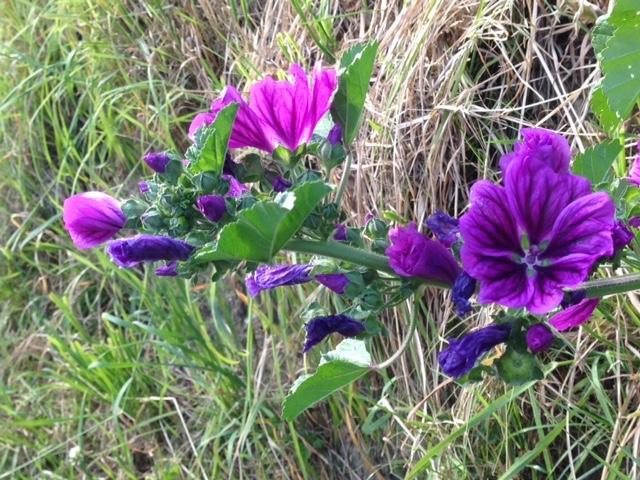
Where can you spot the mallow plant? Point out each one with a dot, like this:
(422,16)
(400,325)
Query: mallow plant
(542,245)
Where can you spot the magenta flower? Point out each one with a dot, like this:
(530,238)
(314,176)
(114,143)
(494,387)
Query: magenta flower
(157,161)
(461,355)
(278,112)
(574,316)
(213,207)
(542,145)
(539,338)
(321,327)
(337,282)
(538,234)
(130,252)
(92,218)
(412,254)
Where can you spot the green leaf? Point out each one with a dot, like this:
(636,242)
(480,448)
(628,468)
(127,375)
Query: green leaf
(516,367)
(607,118)
(596,161)
(338,368)
(260,231)
(355,72)
(207,154)
(620,58)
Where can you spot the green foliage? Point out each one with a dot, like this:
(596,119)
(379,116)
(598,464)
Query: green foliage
(517,366)
(338,368)
(618,50)
(596,161)
(208,152)
(260,231)
(356,67)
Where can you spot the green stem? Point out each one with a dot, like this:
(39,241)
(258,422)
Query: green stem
(346,173)
(350,254)
(610,286)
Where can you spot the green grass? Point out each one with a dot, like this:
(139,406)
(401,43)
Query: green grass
(119,374)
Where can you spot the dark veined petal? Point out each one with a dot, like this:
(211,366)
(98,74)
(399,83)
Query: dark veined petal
(621,236)
(444,227)
(537,195)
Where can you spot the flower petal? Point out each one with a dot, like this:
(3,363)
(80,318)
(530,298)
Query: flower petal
(574,316)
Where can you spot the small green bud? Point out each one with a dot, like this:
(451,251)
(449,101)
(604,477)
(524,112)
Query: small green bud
(377,229)
(133,208)
(152,220)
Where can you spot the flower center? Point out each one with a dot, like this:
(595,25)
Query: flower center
(531,256)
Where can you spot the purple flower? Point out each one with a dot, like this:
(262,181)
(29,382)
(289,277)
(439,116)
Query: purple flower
(412,254)
(461,355)
(143,186)
(574,316)
(621,236)
(444,227)
(541,145)
(92,218)
(335,134)
(463,288)
(340,232)
(158,161)
(130,252)
(525,242)
(236,189)
(213,207)
(539,337)
(267,277)
(278,112)
(320,327)
(337,282)
(634,222)
(168,270)
(280,184)
(634,171)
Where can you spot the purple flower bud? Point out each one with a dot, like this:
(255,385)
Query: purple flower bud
(634,222)
(621,236)
(340,232)
(573,298)
(463,288)
(92,218)
(412,254)
(634,171)
(129,252)
(267,277)
(444,227)
(321,327)
(213,207)
(539,337)
(574,316)
(334,281)
(461,355)
(158,161)
(368,217)
(540,145)
(143,186)
(280,184)
(335,134)
(168,270)
(236,189)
